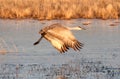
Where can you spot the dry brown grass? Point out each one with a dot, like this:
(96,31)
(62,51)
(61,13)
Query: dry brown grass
(59,9)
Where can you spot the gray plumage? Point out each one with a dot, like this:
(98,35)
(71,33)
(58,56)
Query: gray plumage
(60,37)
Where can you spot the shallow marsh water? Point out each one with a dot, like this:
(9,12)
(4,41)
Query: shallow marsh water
(99,58)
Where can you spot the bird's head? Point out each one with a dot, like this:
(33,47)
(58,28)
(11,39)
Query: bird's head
(80,28)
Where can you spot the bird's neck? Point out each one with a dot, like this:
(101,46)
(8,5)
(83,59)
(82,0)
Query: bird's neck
(74,28)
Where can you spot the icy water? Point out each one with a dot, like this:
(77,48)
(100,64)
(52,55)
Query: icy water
(20,59)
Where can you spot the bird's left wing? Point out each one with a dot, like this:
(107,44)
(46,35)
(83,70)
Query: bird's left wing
(67,38)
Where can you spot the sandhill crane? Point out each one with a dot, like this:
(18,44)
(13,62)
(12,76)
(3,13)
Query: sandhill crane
(60,37)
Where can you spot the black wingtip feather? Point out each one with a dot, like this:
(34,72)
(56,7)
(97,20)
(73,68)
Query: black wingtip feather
(77,46)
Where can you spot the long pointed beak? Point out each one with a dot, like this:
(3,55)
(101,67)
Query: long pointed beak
(82,28)
(37,42)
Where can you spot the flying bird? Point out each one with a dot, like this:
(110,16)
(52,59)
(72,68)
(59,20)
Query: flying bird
(61,37)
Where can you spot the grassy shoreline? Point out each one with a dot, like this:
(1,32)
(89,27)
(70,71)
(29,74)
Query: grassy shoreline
(59,9)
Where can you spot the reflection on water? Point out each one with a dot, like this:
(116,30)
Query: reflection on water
(97,60)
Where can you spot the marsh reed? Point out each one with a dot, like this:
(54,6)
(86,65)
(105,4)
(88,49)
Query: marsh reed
(59,9)
(5,48)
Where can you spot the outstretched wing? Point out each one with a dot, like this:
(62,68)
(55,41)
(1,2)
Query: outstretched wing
(58,44)
(66,37)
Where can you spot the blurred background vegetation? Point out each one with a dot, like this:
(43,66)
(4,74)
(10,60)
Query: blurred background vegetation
(59,9)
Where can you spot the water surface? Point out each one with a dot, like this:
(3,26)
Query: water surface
(99,57)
